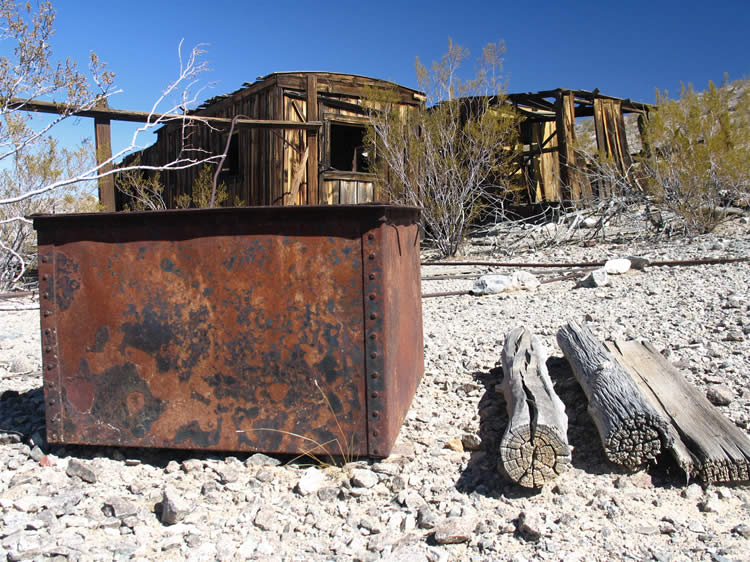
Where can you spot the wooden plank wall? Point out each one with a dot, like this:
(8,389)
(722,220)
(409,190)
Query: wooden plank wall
(574,184)
(270,160)
(546,161)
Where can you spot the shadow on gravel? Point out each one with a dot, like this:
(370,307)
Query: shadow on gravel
(22,414)
(482,476)
(22,421)
(583,438)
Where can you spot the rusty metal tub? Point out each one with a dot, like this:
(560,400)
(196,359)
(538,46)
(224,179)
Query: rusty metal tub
(274,329)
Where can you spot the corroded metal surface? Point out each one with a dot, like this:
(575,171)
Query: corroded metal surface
(286,330)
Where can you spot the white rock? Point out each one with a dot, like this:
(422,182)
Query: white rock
(589,222)
(491,284)
(617,266)
(173,507)
(312,480)
(597,278)
(363,478)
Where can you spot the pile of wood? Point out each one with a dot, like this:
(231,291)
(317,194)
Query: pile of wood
(641,405)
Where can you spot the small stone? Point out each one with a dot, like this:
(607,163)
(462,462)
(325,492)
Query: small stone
(264,475)
(492,284)
(312,480)
(723,494)
(397,484)
(647,530)
(711,505)
(47,460)
(455,445)
(369,526)
(116,506)
(692,492)
(227,474)
(742,530)
(641,479)
(410,499)
(617,266)
(637,262)
(328,494)
(389,468)
(597,278)
(173,507)
(77,468)
(402,450)
(259,459)
(209,487)
(191,465)
(455,530)
(471,442)
(172,467)
(590,222)
(720,395)
(36,454)
(735,336)
(364,478)
(530,525)
(266,519)
(667,528)
(426,518)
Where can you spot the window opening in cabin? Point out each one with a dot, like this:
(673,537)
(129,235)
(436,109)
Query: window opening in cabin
(231,166)
(348,150)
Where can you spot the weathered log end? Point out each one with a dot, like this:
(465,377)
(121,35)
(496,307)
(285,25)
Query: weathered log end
(534,449)
(632,431)
(706,444)
(637,441)
(533,458)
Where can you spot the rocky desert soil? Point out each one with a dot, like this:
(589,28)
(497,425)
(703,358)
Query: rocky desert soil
(439,496)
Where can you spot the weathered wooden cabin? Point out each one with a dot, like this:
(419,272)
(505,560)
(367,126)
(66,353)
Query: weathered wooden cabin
(552,167)
(283,165)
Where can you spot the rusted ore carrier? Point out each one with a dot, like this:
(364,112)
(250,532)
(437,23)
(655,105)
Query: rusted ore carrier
(271,329)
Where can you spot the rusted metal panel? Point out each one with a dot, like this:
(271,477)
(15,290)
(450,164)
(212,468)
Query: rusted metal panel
(276,329)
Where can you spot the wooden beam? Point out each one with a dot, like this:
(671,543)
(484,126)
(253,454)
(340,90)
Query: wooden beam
(632,431)
(145,117)
(103,139)
(706,443)
(534,449)
(313,198)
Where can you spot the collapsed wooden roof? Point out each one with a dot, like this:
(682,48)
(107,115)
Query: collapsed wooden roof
(542,106)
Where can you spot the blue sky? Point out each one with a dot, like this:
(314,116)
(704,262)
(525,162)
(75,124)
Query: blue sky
(624,49)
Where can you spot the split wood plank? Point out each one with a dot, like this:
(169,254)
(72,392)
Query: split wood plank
(707,445)
(632,431)
(534,449)
(297,180)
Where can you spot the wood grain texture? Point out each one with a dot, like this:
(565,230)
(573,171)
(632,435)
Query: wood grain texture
(632,431)
(707,445)
(534,449)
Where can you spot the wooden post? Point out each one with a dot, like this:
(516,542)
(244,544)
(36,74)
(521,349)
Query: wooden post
(574,185)
(534,449)
(633,433)
(313,197)
(103,136)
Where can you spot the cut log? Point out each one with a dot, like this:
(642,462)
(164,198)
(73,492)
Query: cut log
(707,445)
(632,431)
(534,449)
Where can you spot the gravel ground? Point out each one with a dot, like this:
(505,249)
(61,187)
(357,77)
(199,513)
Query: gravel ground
(431,500)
